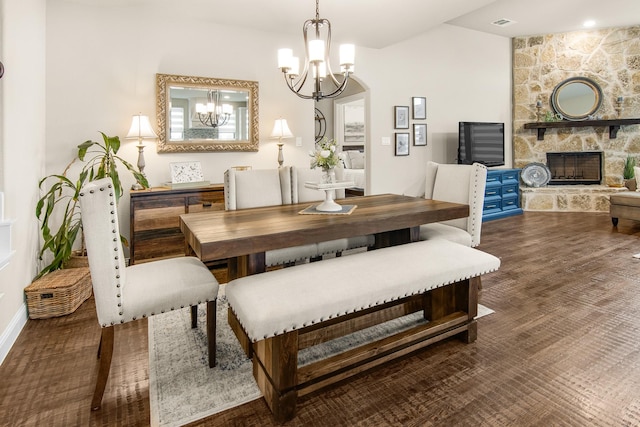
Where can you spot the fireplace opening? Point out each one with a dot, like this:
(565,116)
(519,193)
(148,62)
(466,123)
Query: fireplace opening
(567,168)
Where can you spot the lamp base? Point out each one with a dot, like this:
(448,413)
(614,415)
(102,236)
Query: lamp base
(280,155)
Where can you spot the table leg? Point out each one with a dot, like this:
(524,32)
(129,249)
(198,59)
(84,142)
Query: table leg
(397,237)
(246,265)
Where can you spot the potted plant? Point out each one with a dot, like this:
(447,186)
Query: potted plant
(62,197)
(628,173)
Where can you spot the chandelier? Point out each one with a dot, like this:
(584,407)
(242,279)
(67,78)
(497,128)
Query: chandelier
(317,68)
(213,114)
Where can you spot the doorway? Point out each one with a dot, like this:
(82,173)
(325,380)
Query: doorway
(345,120)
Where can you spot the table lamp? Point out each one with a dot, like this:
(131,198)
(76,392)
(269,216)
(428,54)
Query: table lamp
(280,131)
(140,129)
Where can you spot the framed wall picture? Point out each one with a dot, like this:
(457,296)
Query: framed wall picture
(402,144)
(353,123)
(419,108)
(401,117)
(185,172)
(419,134)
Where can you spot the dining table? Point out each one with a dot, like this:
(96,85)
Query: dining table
(241,237)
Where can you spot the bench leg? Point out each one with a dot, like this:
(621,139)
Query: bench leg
(211,331)
(471,334)
(243,339)
(194,316)
(460,296)
(614,221)
(275,364)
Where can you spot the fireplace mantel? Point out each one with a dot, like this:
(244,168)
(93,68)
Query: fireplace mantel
(614,125)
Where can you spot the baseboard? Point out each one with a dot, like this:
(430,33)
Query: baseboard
(10,335)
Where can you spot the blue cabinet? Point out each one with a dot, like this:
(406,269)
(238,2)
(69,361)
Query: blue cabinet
(502,194)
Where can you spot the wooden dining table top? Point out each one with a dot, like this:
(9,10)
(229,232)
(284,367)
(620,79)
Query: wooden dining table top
(219,235)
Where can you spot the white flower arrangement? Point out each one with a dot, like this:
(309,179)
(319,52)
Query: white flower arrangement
(325,155)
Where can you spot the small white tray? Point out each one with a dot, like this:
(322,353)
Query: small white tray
(329,186)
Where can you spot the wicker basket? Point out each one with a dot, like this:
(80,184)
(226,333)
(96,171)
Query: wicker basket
(58,293)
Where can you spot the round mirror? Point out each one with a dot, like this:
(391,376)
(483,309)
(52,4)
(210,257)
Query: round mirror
(576,98)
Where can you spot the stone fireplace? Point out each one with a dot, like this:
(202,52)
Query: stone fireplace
(611,58)
(570,168)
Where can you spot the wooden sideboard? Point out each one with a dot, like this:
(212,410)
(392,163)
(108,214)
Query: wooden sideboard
(155,219)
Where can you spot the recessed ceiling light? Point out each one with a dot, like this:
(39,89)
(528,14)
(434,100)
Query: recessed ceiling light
(589,23)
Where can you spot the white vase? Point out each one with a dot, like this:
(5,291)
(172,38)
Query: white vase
(329,176)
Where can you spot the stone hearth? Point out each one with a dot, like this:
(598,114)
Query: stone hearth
(568,198)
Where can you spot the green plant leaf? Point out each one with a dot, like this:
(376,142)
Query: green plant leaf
(82,148)
(60,203)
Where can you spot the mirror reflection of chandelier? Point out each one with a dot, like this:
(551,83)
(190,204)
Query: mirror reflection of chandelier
(213,114)
(316,66)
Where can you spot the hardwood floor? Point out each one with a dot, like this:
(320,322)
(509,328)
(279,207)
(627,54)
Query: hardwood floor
(562,348)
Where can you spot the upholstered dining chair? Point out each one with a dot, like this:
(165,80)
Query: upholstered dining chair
(265,187)
(457,184)
(302,194)
(124,294)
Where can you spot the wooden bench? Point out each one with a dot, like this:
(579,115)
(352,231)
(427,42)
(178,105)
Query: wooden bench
(278,313)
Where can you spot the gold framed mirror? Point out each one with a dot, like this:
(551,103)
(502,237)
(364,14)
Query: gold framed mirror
(576,98)
(203,114)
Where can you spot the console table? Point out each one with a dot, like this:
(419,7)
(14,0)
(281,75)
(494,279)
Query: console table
(613,125)
(155,219)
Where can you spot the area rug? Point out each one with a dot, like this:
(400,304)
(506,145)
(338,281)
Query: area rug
(182,387)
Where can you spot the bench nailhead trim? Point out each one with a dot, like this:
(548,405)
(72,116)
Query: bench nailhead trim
(322,319)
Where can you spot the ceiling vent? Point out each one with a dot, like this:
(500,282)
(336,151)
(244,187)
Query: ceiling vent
(504,22)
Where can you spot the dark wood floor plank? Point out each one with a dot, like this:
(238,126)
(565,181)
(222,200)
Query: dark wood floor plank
(563,348)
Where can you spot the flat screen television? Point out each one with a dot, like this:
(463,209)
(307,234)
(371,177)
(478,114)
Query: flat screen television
(480,142)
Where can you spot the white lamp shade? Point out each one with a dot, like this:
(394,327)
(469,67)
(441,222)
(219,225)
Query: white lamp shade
(321,70)
(281,129)
(284,57)
(316,50)
(295,66)
(347,54)
(141,128)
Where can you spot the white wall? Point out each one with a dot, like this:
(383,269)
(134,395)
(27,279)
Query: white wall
(22,141)
(101,62)
(465,76)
